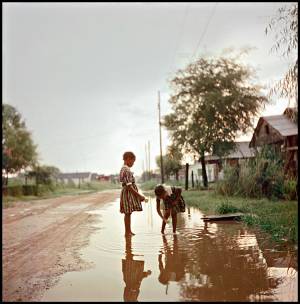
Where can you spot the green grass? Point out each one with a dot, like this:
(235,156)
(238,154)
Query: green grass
(10,201)
(100,186)
(278,218)
(150,185)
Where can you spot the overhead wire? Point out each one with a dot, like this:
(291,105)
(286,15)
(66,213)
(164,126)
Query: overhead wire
(204,31)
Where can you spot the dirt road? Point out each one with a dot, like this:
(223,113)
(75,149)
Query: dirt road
(41,240)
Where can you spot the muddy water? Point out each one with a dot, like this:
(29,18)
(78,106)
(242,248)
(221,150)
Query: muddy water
(219,261)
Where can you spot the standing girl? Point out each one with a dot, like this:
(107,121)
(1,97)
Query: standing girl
(130,197)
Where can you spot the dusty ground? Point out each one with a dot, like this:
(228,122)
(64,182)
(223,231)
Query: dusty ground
(41,240)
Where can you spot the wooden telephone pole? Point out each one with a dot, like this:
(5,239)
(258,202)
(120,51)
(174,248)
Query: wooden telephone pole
(161,158)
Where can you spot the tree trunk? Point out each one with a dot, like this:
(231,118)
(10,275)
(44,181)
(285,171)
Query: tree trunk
(193,185)
(177,175)
(186,176)
(204,175)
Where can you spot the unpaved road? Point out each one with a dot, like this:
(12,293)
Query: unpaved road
(41,240)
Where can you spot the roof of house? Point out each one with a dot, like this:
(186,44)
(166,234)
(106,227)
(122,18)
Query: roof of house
(242,150)
(74,175)
(282,124)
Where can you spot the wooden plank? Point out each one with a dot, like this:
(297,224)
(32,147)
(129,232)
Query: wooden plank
(218,217)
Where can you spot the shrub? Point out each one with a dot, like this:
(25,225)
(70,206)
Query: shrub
(226,207)
(29,189)
(14,190)
(227,186)
(290,189)
(259,177)
(44,189)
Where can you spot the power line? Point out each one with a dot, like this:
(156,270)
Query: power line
(179,36)
(204,31)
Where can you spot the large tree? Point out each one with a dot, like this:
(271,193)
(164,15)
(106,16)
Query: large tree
(285,27)
(18,149)
(212,100)
(171,161)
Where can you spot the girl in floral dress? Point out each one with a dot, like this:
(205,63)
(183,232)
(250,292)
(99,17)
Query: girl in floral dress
(131,199)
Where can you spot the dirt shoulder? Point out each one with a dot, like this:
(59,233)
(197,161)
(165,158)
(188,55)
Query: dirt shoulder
(41,240)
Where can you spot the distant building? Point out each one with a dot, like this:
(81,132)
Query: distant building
(214,165)
(282,132)
(76,178)
(94,176)
(102,177)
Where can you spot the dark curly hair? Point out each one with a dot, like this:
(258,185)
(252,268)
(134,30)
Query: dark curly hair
(128,154)
(159,190)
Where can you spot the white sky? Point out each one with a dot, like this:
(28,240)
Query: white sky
(85,76)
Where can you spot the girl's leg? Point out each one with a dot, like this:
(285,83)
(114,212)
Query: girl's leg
(166,216)
(127,223)
(174,220)
(131,233)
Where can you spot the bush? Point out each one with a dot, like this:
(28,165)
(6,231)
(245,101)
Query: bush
(259,177)
(290,189)
(14,190)
(29,189)
(226,207)
(228,186)
(45,189)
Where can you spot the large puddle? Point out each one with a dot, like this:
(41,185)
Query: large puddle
(219,261)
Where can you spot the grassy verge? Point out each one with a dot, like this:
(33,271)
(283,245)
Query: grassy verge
(278,218)
(150,185)
(10,201)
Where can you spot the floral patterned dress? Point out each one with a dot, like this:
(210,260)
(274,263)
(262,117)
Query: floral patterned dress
(128,201)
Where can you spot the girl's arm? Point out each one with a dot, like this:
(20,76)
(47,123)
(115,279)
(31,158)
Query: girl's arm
(158,209)
(131,189)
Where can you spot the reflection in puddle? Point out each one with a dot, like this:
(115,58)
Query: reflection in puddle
(133,273)
(204,262)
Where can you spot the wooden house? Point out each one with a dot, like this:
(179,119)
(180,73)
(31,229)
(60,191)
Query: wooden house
(214,165)
(282,132)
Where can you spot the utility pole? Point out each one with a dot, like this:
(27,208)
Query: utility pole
(149,159)
(161,158)
(143,174)
(146,173)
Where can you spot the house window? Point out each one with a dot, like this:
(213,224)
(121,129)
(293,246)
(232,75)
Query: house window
(267,129)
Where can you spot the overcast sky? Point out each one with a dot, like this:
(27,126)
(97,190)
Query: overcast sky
(85,76)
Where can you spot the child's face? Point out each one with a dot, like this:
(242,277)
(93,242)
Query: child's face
(129,162)
(163,195)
